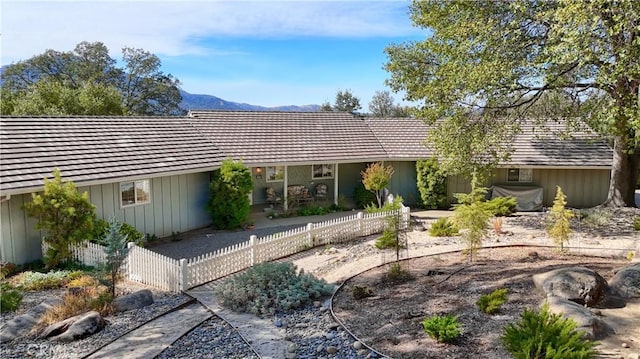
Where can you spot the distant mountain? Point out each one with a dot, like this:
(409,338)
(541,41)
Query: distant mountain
(208,102)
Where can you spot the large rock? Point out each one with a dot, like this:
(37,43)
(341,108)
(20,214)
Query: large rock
(77,327)
(22,324)
(135,300)
(591,324)
(577,284)
(626,282)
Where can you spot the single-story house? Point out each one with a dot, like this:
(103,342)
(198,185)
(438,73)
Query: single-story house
(154,172)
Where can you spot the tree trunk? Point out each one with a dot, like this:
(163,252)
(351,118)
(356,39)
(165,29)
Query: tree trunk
(624,175)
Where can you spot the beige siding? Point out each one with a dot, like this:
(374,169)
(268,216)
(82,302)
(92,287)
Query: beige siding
(177,204)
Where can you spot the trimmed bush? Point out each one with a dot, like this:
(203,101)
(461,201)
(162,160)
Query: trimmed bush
(228,203)
(271,287)
(432,184)
(362,197)
(443,227)
(546,335)
(501,206)
(491,303)
(443,328)
(10,298)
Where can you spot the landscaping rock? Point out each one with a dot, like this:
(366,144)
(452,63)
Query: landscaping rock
(77,327)
(577,284)
(22,324)
(594,327)
(626,282)
(135,300)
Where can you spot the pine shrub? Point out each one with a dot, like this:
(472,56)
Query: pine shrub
(546,335)
(443,328)
(491,303)
(270,287)
(443,227)
(559,220)
(10,298)
(501,206)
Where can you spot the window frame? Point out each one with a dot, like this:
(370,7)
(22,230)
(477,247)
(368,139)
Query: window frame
(324,175)
(525,175)
(270,171)
(137,184)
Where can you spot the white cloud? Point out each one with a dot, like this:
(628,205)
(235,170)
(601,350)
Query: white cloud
(177,28)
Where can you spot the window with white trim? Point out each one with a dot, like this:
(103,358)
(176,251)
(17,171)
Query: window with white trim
(519,175)
(135,193)
(324,170)
(275,173)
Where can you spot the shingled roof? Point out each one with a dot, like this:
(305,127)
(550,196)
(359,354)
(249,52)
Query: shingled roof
(291,137)
(102,149)
(541,145)
(97,149)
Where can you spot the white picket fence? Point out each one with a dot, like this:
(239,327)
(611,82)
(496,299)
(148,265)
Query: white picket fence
(147,267)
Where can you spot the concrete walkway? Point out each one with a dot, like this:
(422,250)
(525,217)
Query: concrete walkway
(152,338)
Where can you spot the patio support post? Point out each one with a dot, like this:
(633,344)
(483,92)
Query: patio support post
(335,184)
(184,275)
(285,192)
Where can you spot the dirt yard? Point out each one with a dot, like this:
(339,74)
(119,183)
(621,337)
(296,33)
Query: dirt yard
(390,320)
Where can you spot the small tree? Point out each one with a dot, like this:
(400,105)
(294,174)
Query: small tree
(471,216)
(116,250)
(229,202)
(559,220)
(64,214)
(375,178)
(432,184)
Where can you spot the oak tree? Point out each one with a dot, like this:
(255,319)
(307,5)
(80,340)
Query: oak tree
(486,65)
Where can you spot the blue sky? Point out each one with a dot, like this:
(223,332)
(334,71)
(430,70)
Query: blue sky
(266,53)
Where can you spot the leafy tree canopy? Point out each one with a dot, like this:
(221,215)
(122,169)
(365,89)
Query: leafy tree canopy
(86,81)
(382,105)
(488,65)
(345,102)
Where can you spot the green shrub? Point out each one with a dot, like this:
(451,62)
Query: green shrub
(443,328)
(595,217)
(362,197)
(228,202)
(360,292)
(39,281)
(443,227)
(65,215)
(472,217)
(7,269)
(10,298)
(636,224)
(387,207)
(271,287)
(558,220)
(311,210)
(491,303)
(432,184)
(546,335)
(501,206)
(101,230)
(397,274)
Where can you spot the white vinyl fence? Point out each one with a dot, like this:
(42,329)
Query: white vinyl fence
(148,267)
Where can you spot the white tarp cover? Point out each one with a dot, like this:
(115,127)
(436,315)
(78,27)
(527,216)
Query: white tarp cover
(529,197)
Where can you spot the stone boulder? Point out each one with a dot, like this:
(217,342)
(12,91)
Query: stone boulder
(577,284)
(22,324)
(591,324)
(626,282)
(77,327)
(135,300)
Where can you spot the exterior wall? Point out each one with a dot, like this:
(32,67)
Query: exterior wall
(177,204)
(349,177)
(584,188)
(403,182)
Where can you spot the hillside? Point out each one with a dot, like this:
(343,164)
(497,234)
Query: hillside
(208,102)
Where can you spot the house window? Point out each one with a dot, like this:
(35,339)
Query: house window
(275,173)
(519,175)
(135,192)
(322,171)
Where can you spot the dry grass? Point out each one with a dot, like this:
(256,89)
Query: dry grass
(497,225)
(87,299)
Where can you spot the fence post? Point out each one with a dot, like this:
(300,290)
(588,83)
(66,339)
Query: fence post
(130,246)
(252,242)
(310,235)
(184,275)
(360,224)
